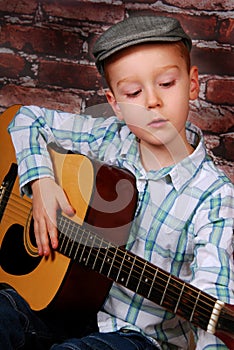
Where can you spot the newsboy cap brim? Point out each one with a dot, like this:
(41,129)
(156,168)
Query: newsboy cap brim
(137,30)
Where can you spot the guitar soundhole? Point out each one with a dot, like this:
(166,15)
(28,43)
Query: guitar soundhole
(14,258)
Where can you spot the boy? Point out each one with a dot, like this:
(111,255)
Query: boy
(184,215)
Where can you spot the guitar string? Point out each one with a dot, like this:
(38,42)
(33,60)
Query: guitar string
(207,297)
(113,246)
(120,262)
(174,297)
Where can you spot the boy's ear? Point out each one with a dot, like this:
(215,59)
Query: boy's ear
(114,104)
(194,83)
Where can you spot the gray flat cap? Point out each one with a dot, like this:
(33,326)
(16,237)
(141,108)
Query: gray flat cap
(137,30)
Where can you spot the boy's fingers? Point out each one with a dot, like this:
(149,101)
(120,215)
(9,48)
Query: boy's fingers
(48,197)
(53,237)
(41,235)
(65,205)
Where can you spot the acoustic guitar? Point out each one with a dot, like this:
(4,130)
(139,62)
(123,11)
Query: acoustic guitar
(91,253)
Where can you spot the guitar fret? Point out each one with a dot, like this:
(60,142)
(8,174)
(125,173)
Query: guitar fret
(89,250)
(194,308)
(178,301)
(106,266)
(133,279)
(98,250)
(73,245)
(79,244)
(127,267)
(120,276)
(140,279)
(69,240)
(72,242)
(82,257)
(112,262)
(116,264)
(152,284)
(97,258)
(131,269)
(165,291)
(105,260)
(145,287)
(91,247)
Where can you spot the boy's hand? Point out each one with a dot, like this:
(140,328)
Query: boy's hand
(48,197)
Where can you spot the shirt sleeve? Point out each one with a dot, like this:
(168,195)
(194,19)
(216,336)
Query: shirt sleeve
(33,128)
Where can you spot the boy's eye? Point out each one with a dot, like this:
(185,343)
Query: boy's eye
(167,84)
(133,94)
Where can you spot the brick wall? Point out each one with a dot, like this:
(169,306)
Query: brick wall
(45,57)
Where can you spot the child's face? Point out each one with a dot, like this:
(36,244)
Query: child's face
(151,88)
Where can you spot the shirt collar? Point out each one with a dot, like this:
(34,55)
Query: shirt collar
(181,173)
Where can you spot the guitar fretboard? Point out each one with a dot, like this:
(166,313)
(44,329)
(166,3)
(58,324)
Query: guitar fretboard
(134,273)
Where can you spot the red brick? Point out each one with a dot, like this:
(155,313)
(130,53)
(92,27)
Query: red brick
(210,120)
(202,5)
(225,147)
(208,28)
(227,140)
(66,101)
(68,75)
(41,40)
(198,27)
(11,66)
(84,10)
(213,61)
(20,7)
(220,91)
(226,31)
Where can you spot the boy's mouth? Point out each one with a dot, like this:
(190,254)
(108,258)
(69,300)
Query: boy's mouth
(157,122)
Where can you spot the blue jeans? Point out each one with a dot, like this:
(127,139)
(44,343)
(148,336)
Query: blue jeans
(108,341)
(22,328)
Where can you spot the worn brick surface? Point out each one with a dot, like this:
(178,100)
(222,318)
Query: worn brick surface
(46,41)
(226,31)
(227,141)
(18,7)
(213,61)
(220,91)
(209,119)
(13,94)
(11,65)
(201,5)
(84,10)
(68,75)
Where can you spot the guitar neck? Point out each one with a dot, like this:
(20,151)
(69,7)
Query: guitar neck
(137,274)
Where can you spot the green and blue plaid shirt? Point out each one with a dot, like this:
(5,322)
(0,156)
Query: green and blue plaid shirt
(183,223)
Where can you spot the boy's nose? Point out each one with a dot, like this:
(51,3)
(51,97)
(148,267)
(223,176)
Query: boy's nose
(153,100)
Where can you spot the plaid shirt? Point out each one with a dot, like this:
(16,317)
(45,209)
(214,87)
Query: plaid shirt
(183,221)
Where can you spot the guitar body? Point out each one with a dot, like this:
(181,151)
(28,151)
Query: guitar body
(56,283)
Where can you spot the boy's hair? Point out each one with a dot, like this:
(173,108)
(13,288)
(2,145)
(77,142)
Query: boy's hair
(138,30)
